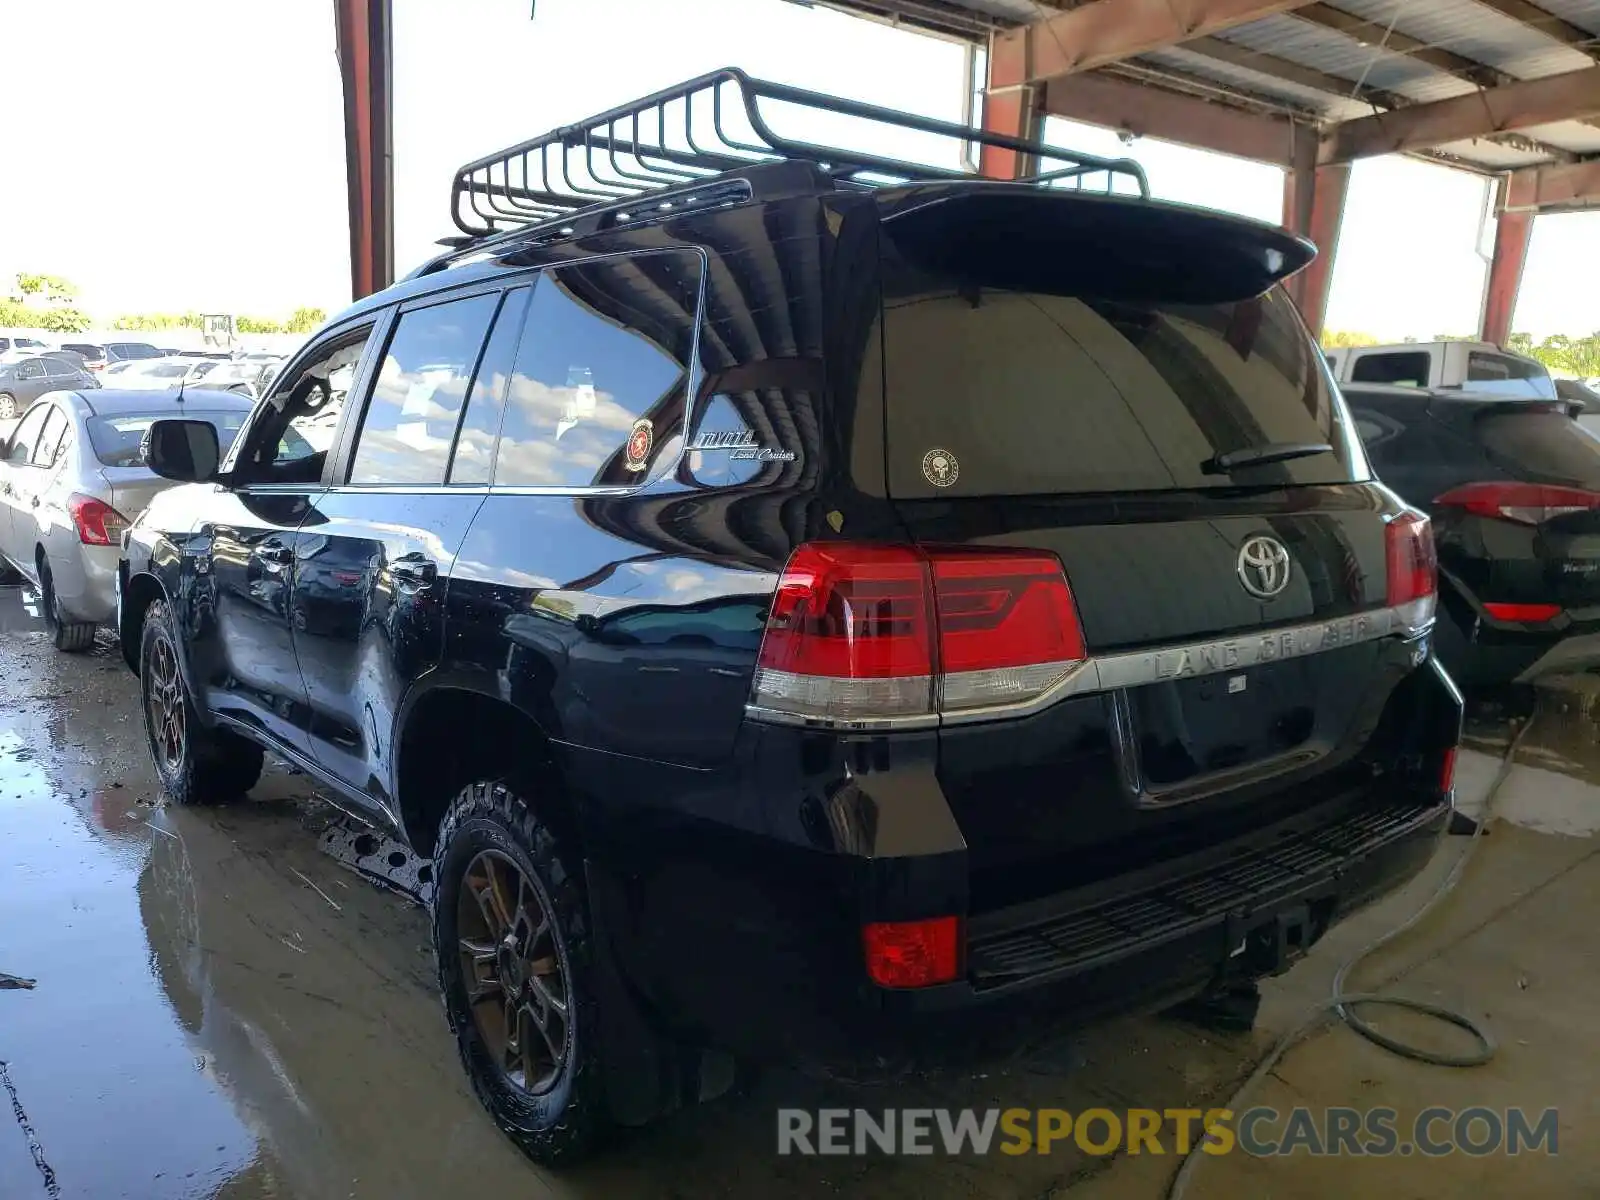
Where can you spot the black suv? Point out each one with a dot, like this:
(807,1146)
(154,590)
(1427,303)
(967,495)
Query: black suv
(801,600)
(1513,487)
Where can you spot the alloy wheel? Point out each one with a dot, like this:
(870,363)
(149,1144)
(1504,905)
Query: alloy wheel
(514,970)
(165,704)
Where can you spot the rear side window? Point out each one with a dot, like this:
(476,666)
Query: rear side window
(1407,369)
(1003,392)
(55,429)
(417,395)
(473,459)
(597,395)
(1482,365)
(1542,446)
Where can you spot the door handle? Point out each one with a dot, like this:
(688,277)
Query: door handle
(414,569)
(275,553)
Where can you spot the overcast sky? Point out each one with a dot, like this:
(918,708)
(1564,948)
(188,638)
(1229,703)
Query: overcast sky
(189,153)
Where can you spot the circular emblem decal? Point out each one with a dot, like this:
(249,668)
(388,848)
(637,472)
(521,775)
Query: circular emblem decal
(1263,566)
(640,438)
(940,468)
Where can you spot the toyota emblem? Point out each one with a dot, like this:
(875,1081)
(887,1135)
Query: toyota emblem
(1263,566)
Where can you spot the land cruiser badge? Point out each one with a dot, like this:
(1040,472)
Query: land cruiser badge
(940,468)
(640,438)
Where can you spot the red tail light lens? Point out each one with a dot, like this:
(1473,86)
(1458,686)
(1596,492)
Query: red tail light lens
(98,523)
(860,631)
(1530,614)
(1413,569)
(912,954)
(1522,503)
(1447,771)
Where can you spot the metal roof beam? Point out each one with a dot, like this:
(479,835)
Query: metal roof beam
(1554,188)
(1146,111)
(1547,23)
(1108,31)
(1571,96)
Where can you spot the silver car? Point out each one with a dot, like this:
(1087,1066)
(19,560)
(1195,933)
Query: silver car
(72,478)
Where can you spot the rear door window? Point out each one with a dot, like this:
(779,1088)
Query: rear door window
(417,394)
(55,428)
(1541,446)
(1003,392)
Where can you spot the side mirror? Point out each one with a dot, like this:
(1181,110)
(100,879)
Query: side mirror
(183,450)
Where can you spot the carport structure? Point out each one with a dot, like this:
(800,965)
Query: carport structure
(1504,88)
(1507,88)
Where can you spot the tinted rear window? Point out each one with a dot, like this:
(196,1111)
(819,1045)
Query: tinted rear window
(1007,392)
(1542,447)
(116,439)
(133,350)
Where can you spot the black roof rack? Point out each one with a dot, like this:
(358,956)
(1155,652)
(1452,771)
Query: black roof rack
(681,136)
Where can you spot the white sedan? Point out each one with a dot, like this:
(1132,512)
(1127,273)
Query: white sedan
(162,374)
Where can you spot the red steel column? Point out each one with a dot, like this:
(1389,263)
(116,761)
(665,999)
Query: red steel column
(365,67)
(1513,228)
(1008,105)
(1313,206)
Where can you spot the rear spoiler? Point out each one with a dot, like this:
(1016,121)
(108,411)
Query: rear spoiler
(1111,247)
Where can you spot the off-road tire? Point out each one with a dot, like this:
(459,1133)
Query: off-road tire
(73,637)
(569,1120)
(215,764)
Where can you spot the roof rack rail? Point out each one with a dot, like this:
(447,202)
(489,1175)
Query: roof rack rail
(681,135)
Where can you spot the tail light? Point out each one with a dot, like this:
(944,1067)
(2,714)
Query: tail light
(1522,503)
(1527,614)
(909,954)
(866,632)
(1447,771)
(98,523)
(1413,589)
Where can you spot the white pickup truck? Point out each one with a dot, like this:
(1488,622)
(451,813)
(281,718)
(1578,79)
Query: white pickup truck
(1472,366)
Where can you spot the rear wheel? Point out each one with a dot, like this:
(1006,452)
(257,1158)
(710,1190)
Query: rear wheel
(516,971)
(72,636)
(195,765)
(8,406)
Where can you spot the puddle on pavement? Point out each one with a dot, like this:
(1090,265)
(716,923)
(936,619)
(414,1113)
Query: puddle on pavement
(223,1010)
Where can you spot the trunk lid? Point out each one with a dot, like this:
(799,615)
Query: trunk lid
(1148,408)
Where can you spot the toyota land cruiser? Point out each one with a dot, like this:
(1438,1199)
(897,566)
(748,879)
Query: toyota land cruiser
(799,599)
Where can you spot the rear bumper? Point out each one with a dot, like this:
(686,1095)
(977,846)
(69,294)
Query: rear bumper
(85,578)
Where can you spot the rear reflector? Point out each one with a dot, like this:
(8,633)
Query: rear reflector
(912,954)
(97,522)
(1413,569)
(1530,614)
(1447,771)
(1522,503)
(861,632)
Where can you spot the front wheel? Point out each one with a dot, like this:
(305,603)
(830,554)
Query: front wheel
(8,406)
(516,972)
(195,765)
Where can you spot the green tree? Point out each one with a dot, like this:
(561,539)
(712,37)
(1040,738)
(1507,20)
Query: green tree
(305,320)
(1333,339)
(63,320)
(259,325)
(52,287)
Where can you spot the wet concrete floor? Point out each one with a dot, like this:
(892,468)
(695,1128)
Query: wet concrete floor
(221,1009)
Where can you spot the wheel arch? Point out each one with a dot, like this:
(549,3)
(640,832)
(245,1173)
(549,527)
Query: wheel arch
(450,734)
(139,592)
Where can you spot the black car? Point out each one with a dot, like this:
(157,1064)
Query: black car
(1513,487)
(804,611)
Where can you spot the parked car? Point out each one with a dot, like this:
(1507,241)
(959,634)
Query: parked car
(18,343)
(25,380)
(71,478)
(1513,487)
(242,375)
(157,374)
(1474,366)
(93,355)
(1586,401)
(116,351)
(935,612)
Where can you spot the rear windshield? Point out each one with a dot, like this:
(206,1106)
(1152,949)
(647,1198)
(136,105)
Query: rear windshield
(1542,446)
(133,350)
(116,439)
(1007,392)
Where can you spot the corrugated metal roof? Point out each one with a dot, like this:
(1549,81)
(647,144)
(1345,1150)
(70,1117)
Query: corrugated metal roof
(1467,29)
